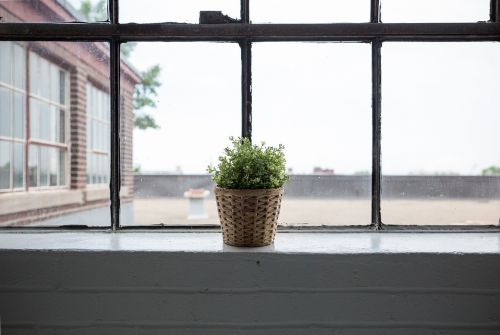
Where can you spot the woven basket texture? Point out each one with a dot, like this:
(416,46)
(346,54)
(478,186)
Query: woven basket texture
(248,217)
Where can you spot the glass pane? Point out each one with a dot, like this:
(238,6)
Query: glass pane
(198,106)
(44,166)
(5,61)
(53,11)
(53,129)
(315,98)
(18,165)
(55,88)
(53,166)
(440,143)
(34,118)
(44,74)
(61,137)
(34,78)
(5,112)
(62,87)
(62,167)
(18,111)
(312,11)
(58,192)
(33,165)
(5,160)
(174,10)
(20,66)
(45,120)
(435,10)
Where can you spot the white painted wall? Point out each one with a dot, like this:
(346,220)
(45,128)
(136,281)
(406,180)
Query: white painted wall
(119,290)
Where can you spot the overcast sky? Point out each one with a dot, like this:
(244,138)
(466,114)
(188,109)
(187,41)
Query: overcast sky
(439,113)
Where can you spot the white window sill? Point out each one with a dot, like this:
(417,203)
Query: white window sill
(286,242)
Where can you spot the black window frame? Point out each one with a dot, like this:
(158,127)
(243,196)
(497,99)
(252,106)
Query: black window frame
(245,33)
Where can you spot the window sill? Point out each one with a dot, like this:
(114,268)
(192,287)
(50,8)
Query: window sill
(286,242)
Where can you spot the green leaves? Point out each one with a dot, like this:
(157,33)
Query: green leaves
(247,166)
(94,13)
(144,96)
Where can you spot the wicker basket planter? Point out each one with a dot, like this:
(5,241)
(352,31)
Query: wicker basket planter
(248,217)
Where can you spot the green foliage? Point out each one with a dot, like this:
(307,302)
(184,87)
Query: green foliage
(145,92)
(144,96)
(127,48)
(94,13)
(247,166)
(491,171)
(145,121)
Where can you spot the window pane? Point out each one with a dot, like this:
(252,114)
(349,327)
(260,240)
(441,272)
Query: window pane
(53,11)
(33,165)
(44,166)
(44,74)
(62,167)
(34,70)
(198,107)
(5,160)
(34,118)
(18,111)
(18,165)
(55,88)
(20,66)
(315,98)
(61,137)
(62,87)
(5,112)
(53,129)
(45,120)
(312,11)
(5,61)
(435,10)
(440,143)
(98,124)
(53,166)
(174,10)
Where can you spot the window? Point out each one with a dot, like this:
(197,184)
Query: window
(48,147)
(98,134)
(345,90)
(12,115)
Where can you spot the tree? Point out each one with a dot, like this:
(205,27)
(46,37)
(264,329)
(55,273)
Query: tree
(144,95)
(145,92)
(94,13)
(491,171)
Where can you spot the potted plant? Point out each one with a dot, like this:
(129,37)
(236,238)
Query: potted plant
(249,187)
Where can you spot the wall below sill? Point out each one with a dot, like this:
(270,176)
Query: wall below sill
(307,283)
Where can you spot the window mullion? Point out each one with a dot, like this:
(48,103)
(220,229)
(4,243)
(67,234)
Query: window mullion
(376,133)
(246,88)
(245,11)
(375,11)
(115,133)
(494,11)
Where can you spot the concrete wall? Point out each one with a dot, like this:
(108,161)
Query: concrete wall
(337,186)
(71,292)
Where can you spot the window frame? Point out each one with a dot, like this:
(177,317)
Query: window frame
(92,151)
(245,33)
(38,142)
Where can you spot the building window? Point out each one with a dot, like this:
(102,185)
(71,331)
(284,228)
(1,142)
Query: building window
(98,133)
(12,115)
(48,148)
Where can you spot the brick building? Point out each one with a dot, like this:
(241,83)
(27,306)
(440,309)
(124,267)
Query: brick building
(55,122)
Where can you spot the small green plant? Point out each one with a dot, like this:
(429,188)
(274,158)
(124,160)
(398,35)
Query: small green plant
(248,166)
